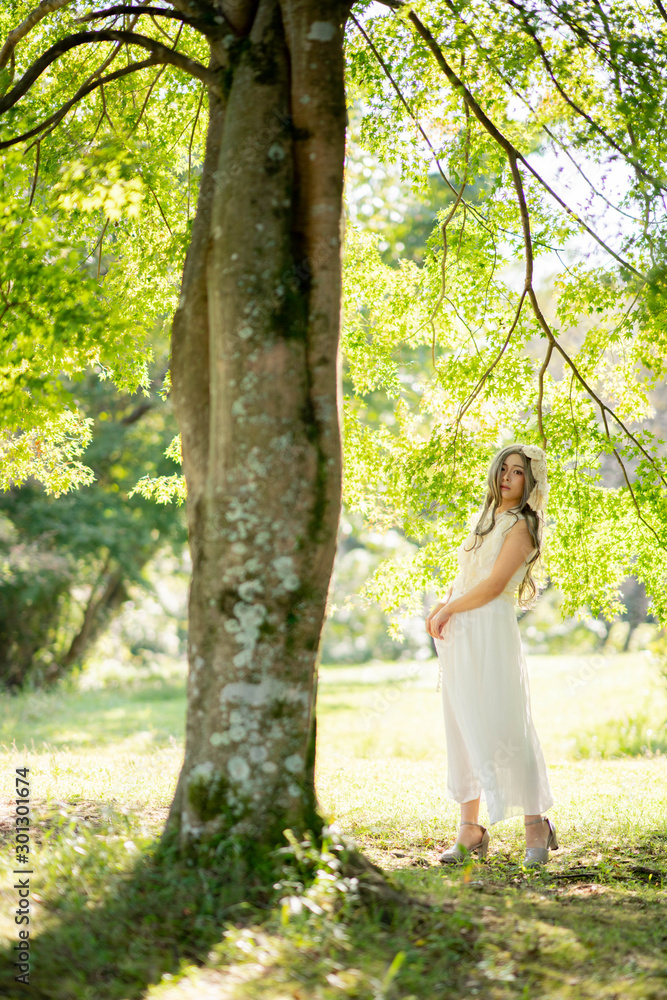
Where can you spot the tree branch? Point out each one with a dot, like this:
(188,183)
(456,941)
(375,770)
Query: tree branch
(539,315)
(458,199)
(97,243)
(661,8)
(99,256)
(604,409)
(192,139)
(586,36)
(206,27)
(525,218)
(35,175)
(467,403)
(55,119)
(448,219)
(160,53)
(148,96)
(106,62)
(14,37)
(629,484)
(463,409)
(530,30)
(554,138)
(155,80)
(157,201)
(580,534)
(388,74)
(553,342)
(540,394)
(502,140)
(513,155)
(162,30)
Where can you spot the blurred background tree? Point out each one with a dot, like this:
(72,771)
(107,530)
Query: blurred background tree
(67,563)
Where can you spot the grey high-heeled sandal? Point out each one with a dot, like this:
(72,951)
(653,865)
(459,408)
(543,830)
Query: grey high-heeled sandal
(459,852)
(540,855)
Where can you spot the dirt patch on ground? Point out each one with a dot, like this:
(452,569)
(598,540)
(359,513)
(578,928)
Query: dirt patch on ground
(45,815)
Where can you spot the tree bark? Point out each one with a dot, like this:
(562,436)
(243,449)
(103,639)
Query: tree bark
(255,371)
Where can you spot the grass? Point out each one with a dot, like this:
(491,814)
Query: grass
(107,924)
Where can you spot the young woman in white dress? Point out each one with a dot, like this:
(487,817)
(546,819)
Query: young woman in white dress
(492,745)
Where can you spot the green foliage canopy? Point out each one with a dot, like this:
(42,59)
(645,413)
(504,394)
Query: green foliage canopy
(546,121)
(94,222)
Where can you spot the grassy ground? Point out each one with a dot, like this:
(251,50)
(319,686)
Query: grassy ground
(103,764)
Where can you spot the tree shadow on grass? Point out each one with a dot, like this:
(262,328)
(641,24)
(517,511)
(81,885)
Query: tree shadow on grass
(106,929)
(587,927)
(109,929)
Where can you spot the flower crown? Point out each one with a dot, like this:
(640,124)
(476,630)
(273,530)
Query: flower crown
(538,464)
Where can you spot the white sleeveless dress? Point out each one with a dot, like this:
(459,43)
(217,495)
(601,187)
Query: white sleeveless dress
(492,745)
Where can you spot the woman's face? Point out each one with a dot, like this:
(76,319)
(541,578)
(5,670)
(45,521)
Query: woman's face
(512,479)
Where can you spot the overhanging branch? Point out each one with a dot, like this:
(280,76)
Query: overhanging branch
(531,31)
(82,92)
(160,53)
(205,26)
(21,30)
(517,93)
(514,156)
(587,38)
(540,394)
(387,72)
(554,344)
(661,8)
(465,406)
(503,141)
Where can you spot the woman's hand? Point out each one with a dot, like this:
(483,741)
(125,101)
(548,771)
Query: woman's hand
(437,618)
(438,623)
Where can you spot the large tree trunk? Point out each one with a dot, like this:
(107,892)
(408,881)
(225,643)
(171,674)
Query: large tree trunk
(256,392)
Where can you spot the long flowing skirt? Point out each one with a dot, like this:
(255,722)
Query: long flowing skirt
(492,745)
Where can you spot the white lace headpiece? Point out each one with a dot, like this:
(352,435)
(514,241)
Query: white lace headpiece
(538,464)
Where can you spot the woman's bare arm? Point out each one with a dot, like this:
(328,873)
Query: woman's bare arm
(515,550)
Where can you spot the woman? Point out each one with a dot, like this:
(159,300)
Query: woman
(491,740)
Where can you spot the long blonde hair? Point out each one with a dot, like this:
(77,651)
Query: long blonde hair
(527,588)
